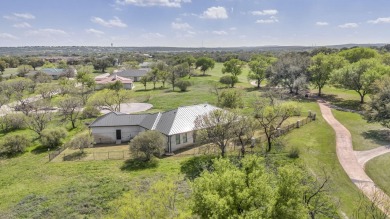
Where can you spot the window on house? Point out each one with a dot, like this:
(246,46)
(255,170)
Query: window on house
(178,139)
(185,138)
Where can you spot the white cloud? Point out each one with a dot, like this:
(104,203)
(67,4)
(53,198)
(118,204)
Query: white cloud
(9,17)
(115,22)
(94,31)
(384,20)
(47,32)
(322,23)
(220,32)
(233,28)
(180,26)
(349,25)
(24,16)
(19,16)
(7,36)
(149,3)
(22,25)
(265,12)
(215,13)
(271,20)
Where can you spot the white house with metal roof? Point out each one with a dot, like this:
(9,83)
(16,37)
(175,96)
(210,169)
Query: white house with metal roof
(177,125)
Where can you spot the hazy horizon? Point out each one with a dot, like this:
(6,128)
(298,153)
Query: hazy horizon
(193,24)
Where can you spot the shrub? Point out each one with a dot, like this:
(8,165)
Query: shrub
(52,138)
(193,167)
(183,85)
(293,152)
(14,144)
(80,141)
(148,143)
(231,99)
(228,80)
(13,121)
(90,112)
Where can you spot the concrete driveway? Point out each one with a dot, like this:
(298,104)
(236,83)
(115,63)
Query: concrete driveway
(132,108)
(350,162)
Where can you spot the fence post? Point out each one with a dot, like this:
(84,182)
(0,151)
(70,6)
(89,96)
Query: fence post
(298,123)
(314,116)
(309,114)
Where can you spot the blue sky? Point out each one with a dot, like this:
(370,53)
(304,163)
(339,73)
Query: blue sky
(193,23)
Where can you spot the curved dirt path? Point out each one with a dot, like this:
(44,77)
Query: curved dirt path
(350,163)
(364,156)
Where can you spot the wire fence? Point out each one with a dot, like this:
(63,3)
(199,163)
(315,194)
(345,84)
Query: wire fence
(101,155)
(235,147)
(55,153)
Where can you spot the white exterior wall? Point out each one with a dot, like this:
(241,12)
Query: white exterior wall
(108,134)
(128,86)
(190,141)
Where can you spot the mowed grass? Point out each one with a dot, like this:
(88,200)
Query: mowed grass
(165,98)
(377,169)
(365,136)
(317,145)
(343,98)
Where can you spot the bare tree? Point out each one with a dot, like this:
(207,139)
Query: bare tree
(216,127)
(271,115)
(244,130)
(317,197)
(47,90)
(109,99)
(39,118)
(369,208)
(70,109)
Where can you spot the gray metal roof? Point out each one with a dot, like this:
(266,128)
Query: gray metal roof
(149,122)
(133,72)
(118,119)
(182,119)
(172,122)
(53,71)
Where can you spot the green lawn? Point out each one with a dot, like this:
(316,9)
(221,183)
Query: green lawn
(365,135)
(166,99)
(316,142)
(377,169)
(348,99)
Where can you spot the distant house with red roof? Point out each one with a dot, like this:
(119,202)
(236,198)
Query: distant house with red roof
(102,81)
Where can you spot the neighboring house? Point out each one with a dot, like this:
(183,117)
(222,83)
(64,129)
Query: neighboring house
(177,125)
(133,74)
(55,73)
(103,80)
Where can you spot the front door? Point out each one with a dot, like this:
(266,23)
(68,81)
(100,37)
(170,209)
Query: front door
(118,134)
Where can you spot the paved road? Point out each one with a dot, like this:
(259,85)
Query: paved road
(9,108)
(350,163)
